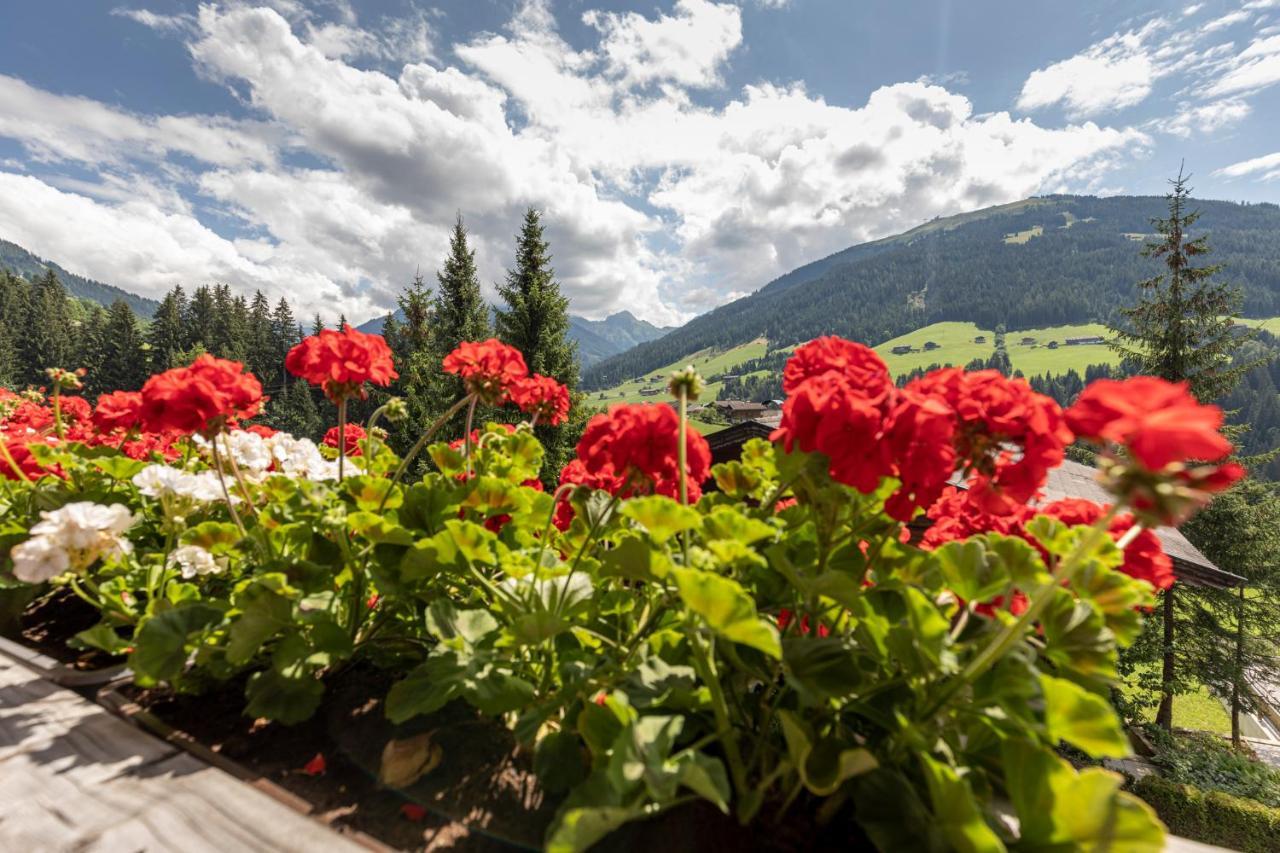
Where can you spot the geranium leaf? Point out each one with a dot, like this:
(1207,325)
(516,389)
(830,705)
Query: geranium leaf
(1082,719)
(727,609)
(660,516)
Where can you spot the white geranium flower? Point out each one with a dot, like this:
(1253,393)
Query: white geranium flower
(250,451)
(72,539)
(300,457)
(39,559)
(194,560)
(163,481)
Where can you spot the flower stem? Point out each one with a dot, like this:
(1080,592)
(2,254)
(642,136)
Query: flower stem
(466,435)
(421,442)
(342,437)
(8,458)
(57,412)
(222,481)
(681,450)
(1013,632)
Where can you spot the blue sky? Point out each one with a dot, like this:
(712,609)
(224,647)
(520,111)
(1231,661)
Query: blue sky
(684,152)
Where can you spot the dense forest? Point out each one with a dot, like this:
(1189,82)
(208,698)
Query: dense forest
(1068,259)
(43,324)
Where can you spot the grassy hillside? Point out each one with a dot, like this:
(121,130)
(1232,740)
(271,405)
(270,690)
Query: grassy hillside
(1045,262)
(956,342)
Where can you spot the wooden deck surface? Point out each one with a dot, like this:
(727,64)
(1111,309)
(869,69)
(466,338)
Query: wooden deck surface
(75,777)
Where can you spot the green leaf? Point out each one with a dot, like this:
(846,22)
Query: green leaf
(103,636)
(634,559)
(892,815)
(727,609)
(1059,808)
(372,494)
(1082,719)
(160,651)
(971,571)
(577,829)
(560,762)
(119,467)
(472,541)
(706,777)
(823,767)
(955,810)
(379,528)
(820,668)
(425,689)
(429,557)
(661,517)
(726,522)
(469,626)
(283,698)
(262,613)
(219,537)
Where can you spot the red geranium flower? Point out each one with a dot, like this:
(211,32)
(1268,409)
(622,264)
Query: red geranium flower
(23,458)
(341,362)
(1159,422)
(920,439)
(75,409)
(542,397)
(638,443)
(489,369)
(119,410)
(354,435)
(855,363)
(1007,435)
(201,398)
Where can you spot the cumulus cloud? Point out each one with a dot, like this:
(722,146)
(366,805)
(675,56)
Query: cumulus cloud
(655,201)
(1255,67)
(1115,73)
(1204,118)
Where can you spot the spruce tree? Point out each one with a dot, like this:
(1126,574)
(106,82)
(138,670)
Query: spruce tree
(122,365)
(1181,330)
(460,311)
(46,335)
(260,347)
(167,335)
(418,374)
(201,321)
(536,322)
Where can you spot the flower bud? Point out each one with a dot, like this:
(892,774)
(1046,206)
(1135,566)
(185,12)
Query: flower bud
(66,380)
(396,411)
(688,381)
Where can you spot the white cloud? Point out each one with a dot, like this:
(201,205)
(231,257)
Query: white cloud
(1192,9)
(653,202)
(1204,118)
(687,47)
(1256,67)
(1228,20)
(1115,73)
(155,20)
(61,127)
(1268,165)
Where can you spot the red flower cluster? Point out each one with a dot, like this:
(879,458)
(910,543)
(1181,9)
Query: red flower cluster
(202,398)
(841,402)
(542,397)
(342,362)
(489,369)
(1007,435)
(956,517)
(119,410)
(633,450)
(1164,431)
(354,435)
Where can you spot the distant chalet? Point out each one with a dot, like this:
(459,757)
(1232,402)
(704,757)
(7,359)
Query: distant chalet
(1079,342)
(739,410)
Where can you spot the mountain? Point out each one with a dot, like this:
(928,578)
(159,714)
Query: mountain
(1036,263)
(599,339)
(18,260)
(596,339)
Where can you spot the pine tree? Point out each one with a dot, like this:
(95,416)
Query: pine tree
(285,334)
(1181,330)
(260,347)
(122,365)
(536,322)
(46,337)
(295,411)
(418,374)
(200,321)
(460,311)
(167,335)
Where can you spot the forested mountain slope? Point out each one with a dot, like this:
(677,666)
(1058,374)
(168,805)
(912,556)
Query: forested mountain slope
(18,260)
(1041,262)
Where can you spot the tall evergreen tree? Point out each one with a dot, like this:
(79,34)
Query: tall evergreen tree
(201,321)
(410,344)
(260,345)
(122,365)
(460,311)
(46,333)
(167,335)
(1181,330)
(536,322)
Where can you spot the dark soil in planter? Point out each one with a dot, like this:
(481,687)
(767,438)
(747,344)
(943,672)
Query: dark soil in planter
(483,795)
(49,622)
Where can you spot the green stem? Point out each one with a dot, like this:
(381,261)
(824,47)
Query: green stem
(704,663)
(57,411)
(342,437)
(8,457)
(466,436)
(226,494)
(421,442)
(1011,633)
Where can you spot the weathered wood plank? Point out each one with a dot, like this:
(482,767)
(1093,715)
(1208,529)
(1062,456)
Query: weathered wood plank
(74,777)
